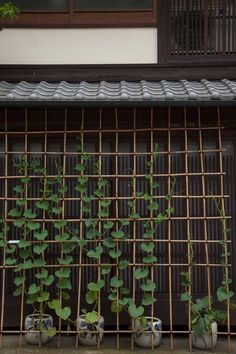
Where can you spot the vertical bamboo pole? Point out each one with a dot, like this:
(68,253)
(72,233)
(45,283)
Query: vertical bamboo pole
(45,170)
(100,222)
(204,208)
(5,217)
(188,223)
(26,203)
(170,234)
(63,208)
(80,249)
(151,215)
(117,218)
(134,222)
(224,224)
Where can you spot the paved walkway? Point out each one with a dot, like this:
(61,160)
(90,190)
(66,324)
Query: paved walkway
(11,346)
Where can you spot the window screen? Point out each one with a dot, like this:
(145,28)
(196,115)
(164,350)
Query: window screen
(41,6)
(88,5)
(81,5)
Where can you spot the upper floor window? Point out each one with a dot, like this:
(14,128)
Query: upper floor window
(197,30)
(53,13)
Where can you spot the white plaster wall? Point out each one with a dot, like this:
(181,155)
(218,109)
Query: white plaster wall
(78,46)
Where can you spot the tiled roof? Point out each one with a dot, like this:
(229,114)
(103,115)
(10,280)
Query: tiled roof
(183,90)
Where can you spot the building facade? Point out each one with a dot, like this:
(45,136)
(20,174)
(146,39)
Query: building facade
(141,81)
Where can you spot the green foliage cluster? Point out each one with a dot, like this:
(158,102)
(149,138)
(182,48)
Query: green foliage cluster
(97,236)
(28,253)
(119,293)
(7,10)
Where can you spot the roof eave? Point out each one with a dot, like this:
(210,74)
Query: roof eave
(115,103)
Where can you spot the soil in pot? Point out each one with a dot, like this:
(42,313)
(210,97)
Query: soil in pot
(32,324)
(149,336)
(90,334)
(208,340)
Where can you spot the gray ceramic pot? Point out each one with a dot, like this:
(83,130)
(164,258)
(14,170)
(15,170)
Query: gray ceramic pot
(87,334)
(32,324)
(208,340)
(148,336)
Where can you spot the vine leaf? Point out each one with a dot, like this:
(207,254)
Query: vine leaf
(33,289)
(116,282)
(63,313)
(141,273)
(32,225)
(96,286)
(148,286)
(223,294)
(134,311)
(185,296)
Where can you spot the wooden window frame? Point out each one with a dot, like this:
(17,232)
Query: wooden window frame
(128,18)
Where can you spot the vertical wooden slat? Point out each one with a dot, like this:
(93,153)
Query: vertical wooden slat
(178,9)
(224,27)
(173,25)
(228,26)
(183,19)
(211,28)
(192,28)
(187,33)
(215,50)
(234,27)
(206,23)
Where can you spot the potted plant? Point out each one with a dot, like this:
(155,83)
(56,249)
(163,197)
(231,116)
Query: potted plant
(28,253)
(146,329)
(204,315)
(90,323)
(204,323)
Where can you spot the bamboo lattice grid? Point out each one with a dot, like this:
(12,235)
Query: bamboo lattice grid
(190,151)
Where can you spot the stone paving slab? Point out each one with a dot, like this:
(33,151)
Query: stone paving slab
(11,346)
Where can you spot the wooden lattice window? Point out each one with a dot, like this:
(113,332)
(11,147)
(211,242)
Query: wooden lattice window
(193,148)
(200,28)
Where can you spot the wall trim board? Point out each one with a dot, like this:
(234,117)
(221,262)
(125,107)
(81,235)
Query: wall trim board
(75,73)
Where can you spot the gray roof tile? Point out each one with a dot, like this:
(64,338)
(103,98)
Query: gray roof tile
(183,90)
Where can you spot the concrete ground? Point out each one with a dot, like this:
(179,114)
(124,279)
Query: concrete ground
(10,345)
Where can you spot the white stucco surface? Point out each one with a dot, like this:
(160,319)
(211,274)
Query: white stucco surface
(78,46)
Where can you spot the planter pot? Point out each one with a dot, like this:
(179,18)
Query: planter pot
(208,340)
(87,335)
(32,323)
(150,335)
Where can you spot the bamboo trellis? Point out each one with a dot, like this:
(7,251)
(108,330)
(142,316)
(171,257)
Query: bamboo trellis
(190,151)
